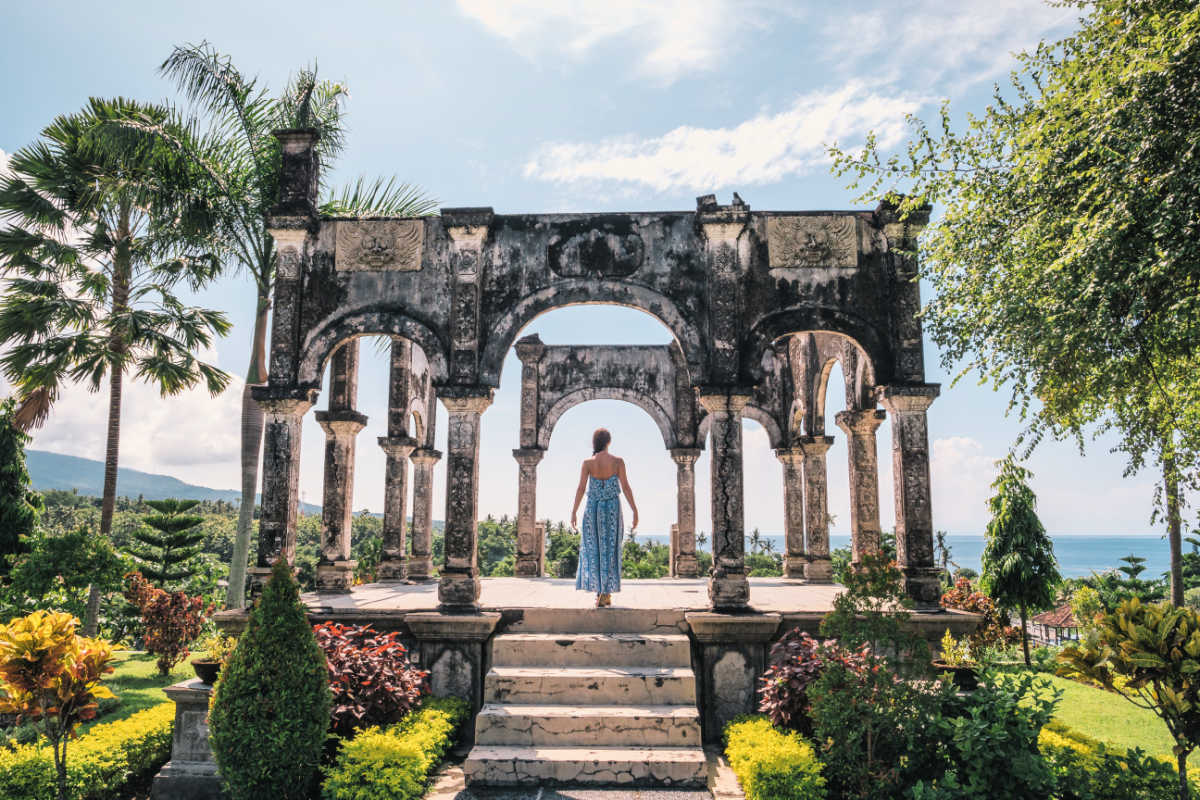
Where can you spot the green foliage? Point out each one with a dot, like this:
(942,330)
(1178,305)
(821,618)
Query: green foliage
(772,764)
(649,560)
(1019,570)
(58,569)
(170,620)
(164,552)
(955,652)
(19,505)
(1086,769)
(105,763)
(394,763)
(873,610)
(270,707)
(497,547)
(562,551)
(1086,605)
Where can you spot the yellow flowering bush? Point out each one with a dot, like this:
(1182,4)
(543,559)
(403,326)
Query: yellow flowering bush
(772,764)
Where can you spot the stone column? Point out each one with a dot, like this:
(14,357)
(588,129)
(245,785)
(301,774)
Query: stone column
(819,568)
(910,476)
(860,427)
(191,774)
(539,533)
(420,565)
(459,586)
(393,565)
(794,561)
(728,589)
(683,538)
(341,423)
(281,479)
(527,550)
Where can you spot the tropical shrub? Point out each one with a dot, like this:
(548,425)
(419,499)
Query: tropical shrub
(772,764)
(168,542)
(795,662)
(270,707)
(59,566)
(394,763)
(370,676)
(1086,769)
(991,632)
(873,611)
(104,762)
(171,620)
(19,504)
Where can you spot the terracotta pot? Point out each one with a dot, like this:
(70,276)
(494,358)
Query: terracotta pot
(206,669)
(963,677)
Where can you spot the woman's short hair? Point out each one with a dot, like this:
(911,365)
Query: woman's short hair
(600,440)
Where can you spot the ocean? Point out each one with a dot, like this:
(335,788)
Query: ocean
(1078,554)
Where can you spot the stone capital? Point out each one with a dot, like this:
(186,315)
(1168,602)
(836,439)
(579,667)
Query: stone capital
(397,446)
(861,423)
(339,428)
(529,456)
(717,402)
(907,399)
(289,239)
(468,403)
(440,626)
(814,446)
(530,349)
(285,406)
(685,456)
(426,455)
(713,627)
(790,456)
(467,227)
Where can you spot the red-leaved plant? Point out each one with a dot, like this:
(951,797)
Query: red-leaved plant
(373,681)
(991,630)
(795,663)
(172,620)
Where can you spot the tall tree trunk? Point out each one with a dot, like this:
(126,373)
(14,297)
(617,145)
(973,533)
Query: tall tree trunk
(1174,523)
(1025,635)
(1185,791)
(116,371)
(252,432)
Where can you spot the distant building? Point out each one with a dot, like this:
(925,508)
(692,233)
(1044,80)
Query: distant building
(1055,627)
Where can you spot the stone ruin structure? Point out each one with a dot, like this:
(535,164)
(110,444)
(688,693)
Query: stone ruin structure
(761,305)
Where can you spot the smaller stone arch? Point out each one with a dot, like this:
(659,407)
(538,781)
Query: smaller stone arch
(660,415)
(757,413)
(321,343)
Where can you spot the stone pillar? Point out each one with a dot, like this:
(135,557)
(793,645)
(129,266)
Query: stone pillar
(674,548)
(819,568)
(527,565)
(281,480)
(453,649)
(683,533)
(420,565)
(795,561)
(728,588)
(539,533)
(910,476)
(341,423)
(860,427)
(393,565)
(732,654)
(459,586)
(191,774)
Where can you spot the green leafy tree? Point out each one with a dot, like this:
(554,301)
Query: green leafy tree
(244,115)
(1019,569)
(271,706)
(19,506)
(1064,261)
(101,231)
(168,541)
(59,568)
(1155,650)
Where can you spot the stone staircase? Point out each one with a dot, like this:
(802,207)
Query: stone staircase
(608,707)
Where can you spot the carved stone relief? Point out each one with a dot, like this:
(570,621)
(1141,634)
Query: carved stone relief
(380,245)
(818,241)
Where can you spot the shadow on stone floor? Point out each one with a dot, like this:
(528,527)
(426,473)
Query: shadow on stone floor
(583,793)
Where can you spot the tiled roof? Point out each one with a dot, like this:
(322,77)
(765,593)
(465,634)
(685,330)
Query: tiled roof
(1060,617)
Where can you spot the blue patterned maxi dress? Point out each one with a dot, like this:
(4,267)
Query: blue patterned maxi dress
(600,545)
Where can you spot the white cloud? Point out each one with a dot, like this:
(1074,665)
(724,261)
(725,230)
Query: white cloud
(763,149)
(674,38)
(961,475)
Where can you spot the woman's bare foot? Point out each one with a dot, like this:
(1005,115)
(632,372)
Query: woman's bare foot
(605,600)
(599,601)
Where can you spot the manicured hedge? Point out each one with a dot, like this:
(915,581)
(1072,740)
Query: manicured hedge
(772,764)
(394,763)
(1088,769)
(100,764)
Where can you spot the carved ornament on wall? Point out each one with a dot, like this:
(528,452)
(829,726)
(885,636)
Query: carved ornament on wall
(818,241)
(374,245)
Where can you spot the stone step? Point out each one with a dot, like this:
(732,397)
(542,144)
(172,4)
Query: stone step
(589,649)
(600,620)
(590,685)
(501,765)
(588,726)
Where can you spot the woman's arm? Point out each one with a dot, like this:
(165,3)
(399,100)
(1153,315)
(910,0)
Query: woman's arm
(583,476)
(628,491)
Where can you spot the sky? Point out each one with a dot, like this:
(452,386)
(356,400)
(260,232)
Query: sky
(576,105)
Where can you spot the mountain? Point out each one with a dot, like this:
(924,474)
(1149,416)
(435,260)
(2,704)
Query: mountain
(86,476)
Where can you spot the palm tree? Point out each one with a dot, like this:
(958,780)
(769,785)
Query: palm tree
(100,232)
(244,115)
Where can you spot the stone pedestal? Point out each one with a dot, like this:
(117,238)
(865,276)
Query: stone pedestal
(458,588)
(191,774)
(683,533)
(393,565)
(335,570)
(733,654)
(453,649)
(728,589)
(527,563)
(819,568)
(907,404)
(795,561)
(420,564)
(860,427)
(281,479)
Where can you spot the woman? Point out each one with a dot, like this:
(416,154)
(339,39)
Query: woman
(600,545)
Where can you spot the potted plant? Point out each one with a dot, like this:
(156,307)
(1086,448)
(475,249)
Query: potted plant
(956,660)
(217,649)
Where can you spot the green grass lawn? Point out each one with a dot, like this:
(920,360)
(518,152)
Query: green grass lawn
(1111,719)
(137,684)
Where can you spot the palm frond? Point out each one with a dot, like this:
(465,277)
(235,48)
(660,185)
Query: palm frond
(380,197)
(33,408)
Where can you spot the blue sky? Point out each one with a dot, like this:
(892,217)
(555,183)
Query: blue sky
(568,106)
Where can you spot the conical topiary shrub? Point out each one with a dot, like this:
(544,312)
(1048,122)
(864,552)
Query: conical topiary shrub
(270,707)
